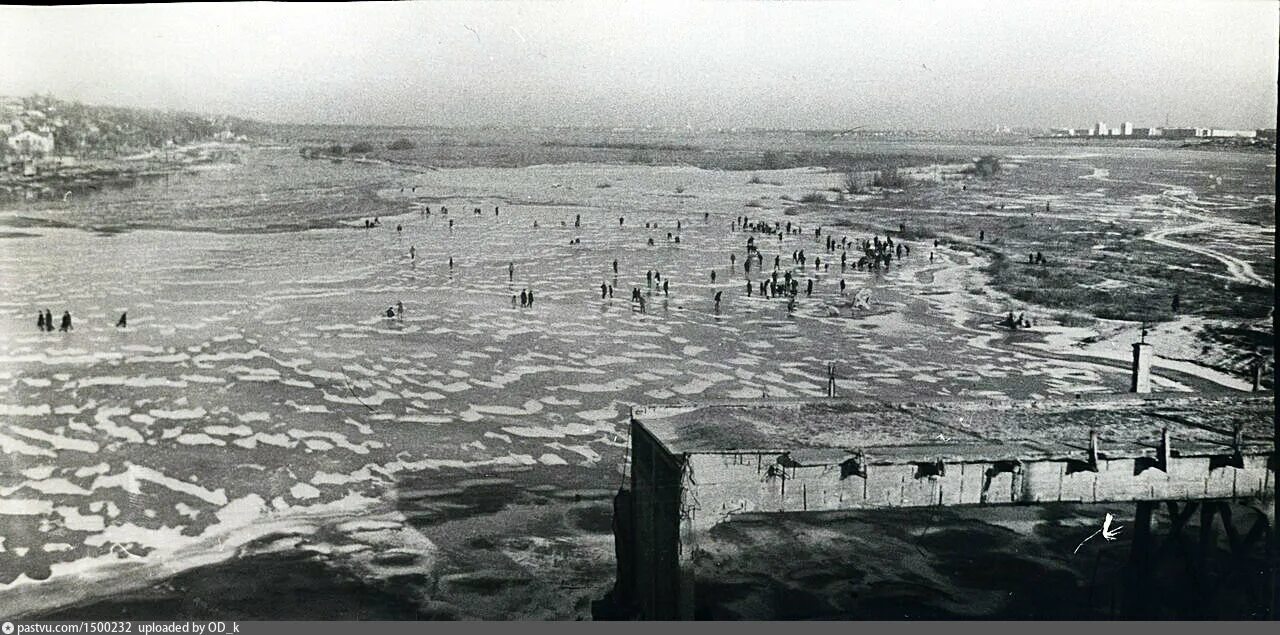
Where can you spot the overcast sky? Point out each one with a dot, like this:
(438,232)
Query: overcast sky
(917,64)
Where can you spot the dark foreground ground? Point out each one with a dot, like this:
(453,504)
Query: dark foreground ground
(996,563)
(991,563)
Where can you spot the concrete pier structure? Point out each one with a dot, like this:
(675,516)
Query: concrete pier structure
(696,466)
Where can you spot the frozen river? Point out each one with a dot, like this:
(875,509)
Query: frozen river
(258,378)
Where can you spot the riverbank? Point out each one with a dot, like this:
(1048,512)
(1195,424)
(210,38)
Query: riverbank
(61,177)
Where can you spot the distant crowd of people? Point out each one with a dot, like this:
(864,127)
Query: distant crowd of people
(799,277)
(784,281)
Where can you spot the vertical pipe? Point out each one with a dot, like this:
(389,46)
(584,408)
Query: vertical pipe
(1141,374)
(1139,562)
(1166,451)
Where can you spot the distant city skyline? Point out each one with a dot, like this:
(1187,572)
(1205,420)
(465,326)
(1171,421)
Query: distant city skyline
(831,66)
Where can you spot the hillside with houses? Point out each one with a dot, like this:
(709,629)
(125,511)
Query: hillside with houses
(50,143)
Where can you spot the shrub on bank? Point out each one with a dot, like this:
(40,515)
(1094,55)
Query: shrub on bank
(854,182)
(985,167)
(1072,320)
(889,177)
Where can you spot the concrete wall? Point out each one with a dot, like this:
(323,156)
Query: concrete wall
(725,484)
(677,499)
(656,495)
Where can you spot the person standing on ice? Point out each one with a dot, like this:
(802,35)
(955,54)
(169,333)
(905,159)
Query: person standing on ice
(123,322)
(40,320)
(511,271)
